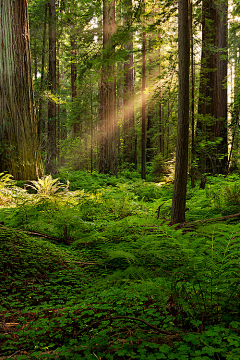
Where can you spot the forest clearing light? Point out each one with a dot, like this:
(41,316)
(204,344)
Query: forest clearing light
(135,102)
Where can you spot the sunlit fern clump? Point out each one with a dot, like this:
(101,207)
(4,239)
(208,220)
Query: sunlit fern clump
(47,186)
(6,180)
(6,188)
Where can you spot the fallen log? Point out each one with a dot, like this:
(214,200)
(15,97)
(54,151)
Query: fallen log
(203,221)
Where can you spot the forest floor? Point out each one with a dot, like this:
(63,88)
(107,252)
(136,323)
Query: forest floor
(95,271)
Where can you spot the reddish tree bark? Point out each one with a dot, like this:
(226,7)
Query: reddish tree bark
(128,155)
(18,123)
(212,123)
(51,166)
(180,181)
(143,170)
(108,158)
(41,118)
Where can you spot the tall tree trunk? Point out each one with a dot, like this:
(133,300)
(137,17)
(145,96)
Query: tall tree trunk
(128,91)
(17,111)
(181,166)
(41,118)
(143,170)
(212,125)
(108,158)
(91,134)
(76,127)
(160,108)
(192,93)
(120,133)
(35,60)
(58,122)
(150,110)
(221,126)
(51,166)
(73,67)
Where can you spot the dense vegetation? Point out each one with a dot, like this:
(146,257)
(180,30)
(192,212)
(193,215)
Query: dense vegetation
(91,266)
(92,269)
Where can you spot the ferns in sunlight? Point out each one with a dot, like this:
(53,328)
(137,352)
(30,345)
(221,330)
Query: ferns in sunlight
(47,185)
(6,180)
(9,192)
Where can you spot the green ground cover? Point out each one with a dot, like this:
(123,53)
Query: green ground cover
(93,270)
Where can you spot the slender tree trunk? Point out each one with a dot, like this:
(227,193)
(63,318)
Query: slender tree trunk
(221,126)
(108,156)
(143,170)
(18,120)
(120,135)
(35,60)
(41,118)
(167,125)
(181,167)
(160,107)
(76,127)
(150,108)
(91,148)
(73,68)
(128,92)
(58,107)
(192,93)
(51,166)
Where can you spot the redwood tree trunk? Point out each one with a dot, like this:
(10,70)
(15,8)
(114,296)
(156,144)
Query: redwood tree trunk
(212,93)
(192,171)
(76,126)
(180,182)
(108,159)
(150,109)
(128,155)
(143,170)
(17,111)
(41,118)
(221,128)
(51,166)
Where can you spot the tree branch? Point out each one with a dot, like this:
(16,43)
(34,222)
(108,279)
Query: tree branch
(128,318)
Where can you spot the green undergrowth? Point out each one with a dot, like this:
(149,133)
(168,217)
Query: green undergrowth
(97,272)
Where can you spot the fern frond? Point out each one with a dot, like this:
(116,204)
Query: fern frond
(47,185)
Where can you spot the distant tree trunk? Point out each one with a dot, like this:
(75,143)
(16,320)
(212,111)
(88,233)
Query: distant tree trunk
(143,170)
(128,92)
(58,122)
(51,166)
(120,133)
(73,68)
(235,99)
(91,134)
(41,118)
(213,95)
(192,171)
(221,126)
(76,127)
(160,109)
(35,60)
(181,166)
(150,110)
(18,121)
(108,158)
